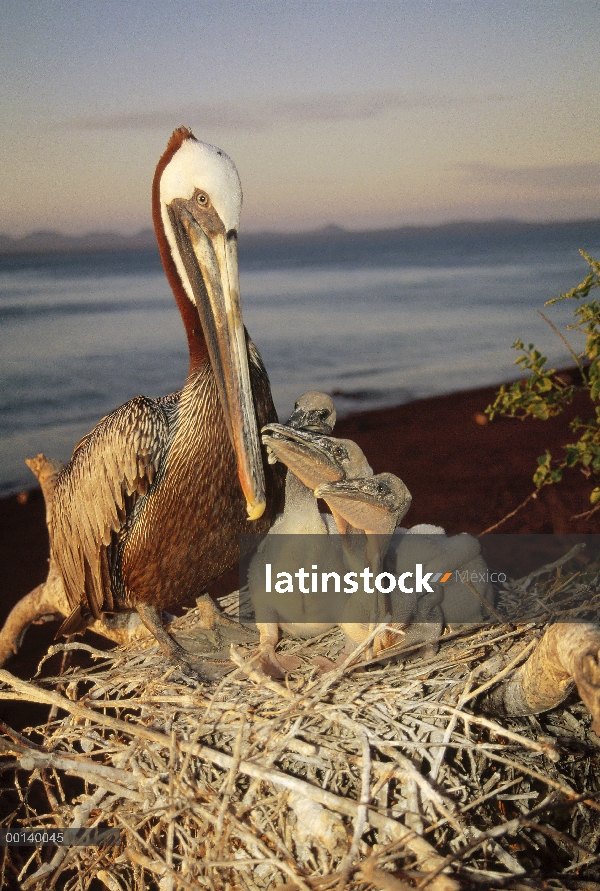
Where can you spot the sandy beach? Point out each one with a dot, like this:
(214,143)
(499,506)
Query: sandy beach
(463,475)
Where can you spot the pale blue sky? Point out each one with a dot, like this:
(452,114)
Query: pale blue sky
(363,114)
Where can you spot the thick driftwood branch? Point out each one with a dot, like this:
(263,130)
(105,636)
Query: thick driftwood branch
(568,654)
(43,604)
(48,602)
(46,470)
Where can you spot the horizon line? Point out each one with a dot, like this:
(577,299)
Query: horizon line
(328,228)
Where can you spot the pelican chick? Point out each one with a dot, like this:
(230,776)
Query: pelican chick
(313,412)
(374,505)
(456,556)
(316,412)
(315,458)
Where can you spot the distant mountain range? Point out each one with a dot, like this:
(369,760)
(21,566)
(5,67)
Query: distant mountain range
(57,243)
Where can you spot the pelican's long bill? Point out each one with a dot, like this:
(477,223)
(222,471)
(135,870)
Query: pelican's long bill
(209,255)
(375,504)
(310,456)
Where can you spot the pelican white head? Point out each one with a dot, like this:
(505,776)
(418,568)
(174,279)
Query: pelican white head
(200,166)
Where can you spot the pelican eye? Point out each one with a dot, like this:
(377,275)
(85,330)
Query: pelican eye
(340,452)
(202,199)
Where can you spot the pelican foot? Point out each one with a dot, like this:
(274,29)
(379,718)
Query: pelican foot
(169,646)
(181,659)
(214,638)
(185,669)
(325,665)
(277,665)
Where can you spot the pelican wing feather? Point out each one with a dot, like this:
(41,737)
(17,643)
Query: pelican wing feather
(111,467)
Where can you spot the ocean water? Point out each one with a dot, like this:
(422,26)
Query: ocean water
(374,319)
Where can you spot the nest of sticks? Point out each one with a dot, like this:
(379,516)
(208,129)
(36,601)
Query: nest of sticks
(384,775)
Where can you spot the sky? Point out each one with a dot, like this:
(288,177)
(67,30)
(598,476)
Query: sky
(359,113)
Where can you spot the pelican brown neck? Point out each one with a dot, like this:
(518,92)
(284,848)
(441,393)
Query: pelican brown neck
(189,313)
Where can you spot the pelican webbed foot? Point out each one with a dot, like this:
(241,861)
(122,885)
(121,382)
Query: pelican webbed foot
(151,619)
(325,665)
(276,665)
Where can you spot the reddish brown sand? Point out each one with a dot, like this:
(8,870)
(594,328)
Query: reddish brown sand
(463,476)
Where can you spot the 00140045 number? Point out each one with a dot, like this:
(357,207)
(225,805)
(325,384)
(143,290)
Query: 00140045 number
(41,836)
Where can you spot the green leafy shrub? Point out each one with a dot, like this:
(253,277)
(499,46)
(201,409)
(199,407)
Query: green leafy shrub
(545,394)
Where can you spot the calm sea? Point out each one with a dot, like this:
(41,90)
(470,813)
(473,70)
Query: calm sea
(374,319)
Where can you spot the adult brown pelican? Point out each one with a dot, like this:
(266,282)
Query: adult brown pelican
(148,510)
